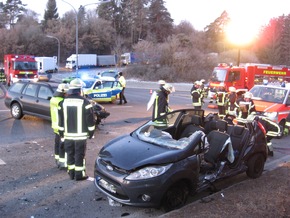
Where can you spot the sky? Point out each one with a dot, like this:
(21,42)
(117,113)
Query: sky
(199,13)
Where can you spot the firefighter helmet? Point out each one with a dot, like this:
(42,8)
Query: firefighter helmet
(197,83)
(76,84)
(161,82)
(232,89)
(169,88)
(63,87)
(248,95)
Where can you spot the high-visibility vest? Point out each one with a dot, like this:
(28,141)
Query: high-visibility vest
(54,107)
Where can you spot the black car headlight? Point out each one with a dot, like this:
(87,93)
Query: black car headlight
(148,172)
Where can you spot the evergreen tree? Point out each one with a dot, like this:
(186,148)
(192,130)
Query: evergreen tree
(161,23)
(51,12)
(13,9)
(215,32)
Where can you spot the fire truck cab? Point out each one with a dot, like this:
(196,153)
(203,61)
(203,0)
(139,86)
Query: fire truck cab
(20,67)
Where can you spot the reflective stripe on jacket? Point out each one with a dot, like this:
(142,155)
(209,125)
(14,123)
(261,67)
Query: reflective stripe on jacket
(76,118)
(196,97)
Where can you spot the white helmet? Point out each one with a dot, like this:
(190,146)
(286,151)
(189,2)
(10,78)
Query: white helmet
(63,87)
(202,80)
(169,88)
(232,89)
(76,84)
(161,82)
(248,95)
(197,83)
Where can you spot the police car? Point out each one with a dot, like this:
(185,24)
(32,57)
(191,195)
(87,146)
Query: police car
(104,89)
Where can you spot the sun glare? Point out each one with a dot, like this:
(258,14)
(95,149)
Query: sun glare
(241,32)
(245,22)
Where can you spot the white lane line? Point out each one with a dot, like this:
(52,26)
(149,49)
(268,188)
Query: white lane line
(4,110)
(2,162)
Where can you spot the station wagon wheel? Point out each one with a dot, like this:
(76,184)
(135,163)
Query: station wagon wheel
(175,197)
(255,166)
(16,111)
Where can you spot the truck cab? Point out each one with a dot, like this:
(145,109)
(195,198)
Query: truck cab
(20,67)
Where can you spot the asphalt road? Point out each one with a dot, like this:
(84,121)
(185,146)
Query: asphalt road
(32,186)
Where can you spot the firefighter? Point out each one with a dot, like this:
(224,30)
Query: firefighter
(272,130)
(231,104)
(76,124)
(246,105)
(2,76)
(222,101)
(161,83)
(122,80)
(203,88)
(196,95)
(59,152)
(161,102)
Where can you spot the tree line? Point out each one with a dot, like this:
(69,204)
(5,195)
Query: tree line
(173,52)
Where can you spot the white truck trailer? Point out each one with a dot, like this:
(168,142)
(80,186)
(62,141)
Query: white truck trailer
(84,60)
(47,64)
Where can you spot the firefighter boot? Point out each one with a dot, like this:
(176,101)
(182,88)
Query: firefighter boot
(62,165)
(80,175)
(71,174)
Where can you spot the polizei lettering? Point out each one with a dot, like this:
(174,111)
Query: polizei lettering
(100,95)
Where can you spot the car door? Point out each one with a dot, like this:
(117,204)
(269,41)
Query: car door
(43,99)
(28,98)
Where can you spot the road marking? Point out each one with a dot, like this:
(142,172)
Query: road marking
(2,162)
(4,110)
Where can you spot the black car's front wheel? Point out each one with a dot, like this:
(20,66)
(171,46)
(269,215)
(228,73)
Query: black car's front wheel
(175,197)
(256,166)
(16,111)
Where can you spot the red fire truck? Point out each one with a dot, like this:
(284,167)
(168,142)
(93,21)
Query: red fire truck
(246,76)
(20,67)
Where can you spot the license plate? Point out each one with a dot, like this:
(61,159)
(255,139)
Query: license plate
(107,186)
